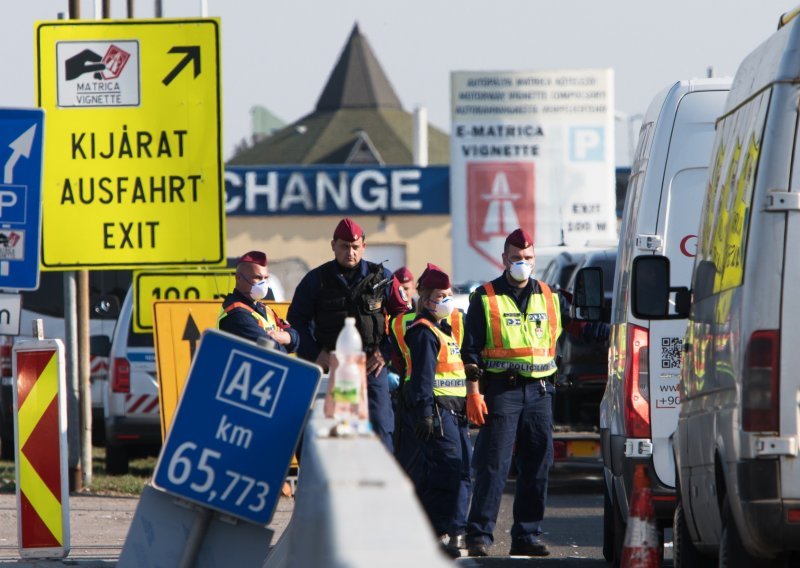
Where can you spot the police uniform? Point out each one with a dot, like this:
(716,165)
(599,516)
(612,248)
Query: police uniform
(247,318)
(326,296)
(406,447)
(436,389)
(511,333)
(243,316)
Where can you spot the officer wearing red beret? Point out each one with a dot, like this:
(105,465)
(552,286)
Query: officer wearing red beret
(435,401)
(513,323)
(349,286)
(243,315)
(406,280)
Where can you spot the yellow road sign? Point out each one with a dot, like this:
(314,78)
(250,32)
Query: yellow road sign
(134,173)
(177,327)
(153,285)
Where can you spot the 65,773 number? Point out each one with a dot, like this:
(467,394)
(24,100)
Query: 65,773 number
(238,488)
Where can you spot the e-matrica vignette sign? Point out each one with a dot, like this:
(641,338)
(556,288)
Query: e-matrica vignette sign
(134,169)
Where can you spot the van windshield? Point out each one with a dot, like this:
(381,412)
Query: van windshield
(48,299)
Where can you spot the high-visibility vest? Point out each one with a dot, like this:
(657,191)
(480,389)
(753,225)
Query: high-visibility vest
(267,324)
(521,342)
(449,378)
(400,324)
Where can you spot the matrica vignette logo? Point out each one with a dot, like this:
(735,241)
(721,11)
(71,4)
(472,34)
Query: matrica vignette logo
(499,200)
(98,73)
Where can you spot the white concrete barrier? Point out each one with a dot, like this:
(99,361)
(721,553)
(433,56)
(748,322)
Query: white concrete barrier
(354,508)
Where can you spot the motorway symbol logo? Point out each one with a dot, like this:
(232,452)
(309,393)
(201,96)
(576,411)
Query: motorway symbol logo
(500,198)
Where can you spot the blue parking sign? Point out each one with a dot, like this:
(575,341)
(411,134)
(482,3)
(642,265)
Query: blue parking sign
(236,427)
(21,134)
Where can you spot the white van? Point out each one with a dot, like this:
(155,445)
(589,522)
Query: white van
(738,434)
(639,409)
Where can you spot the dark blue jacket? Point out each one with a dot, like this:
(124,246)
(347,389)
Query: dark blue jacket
(242,323)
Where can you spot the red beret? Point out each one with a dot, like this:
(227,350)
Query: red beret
(403,275)
(520,239)
(254,256)
(435,278)
(348,230)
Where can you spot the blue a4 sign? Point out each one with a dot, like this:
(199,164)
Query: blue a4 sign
(21,132)
(237,424)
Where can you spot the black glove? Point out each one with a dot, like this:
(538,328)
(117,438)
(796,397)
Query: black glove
(423,429)
(473,372)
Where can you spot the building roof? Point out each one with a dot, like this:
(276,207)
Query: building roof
(358,119)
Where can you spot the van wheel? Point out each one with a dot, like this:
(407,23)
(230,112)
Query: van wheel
(608,527)
(619,532)
(684,553)
(732,554)
(7,448)
(116,459)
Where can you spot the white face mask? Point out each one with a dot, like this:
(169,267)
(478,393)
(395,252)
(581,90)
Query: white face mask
(259,290)
(442,309)
(520,270)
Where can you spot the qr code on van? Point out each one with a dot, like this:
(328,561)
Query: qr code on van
(671,352)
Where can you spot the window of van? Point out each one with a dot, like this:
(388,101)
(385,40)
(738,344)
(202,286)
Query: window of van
(723,232)
(48,299)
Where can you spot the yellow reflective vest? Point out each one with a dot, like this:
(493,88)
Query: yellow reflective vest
(400,324)
(267,324)
(449,379)
(521,342)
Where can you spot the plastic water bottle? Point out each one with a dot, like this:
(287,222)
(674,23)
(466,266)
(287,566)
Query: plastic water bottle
(348,377)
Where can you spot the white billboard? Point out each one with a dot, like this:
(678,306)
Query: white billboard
(530,149)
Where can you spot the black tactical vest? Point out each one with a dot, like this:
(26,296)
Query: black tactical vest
(364,301)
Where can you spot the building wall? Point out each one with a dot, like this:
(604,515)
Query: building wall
(295,244)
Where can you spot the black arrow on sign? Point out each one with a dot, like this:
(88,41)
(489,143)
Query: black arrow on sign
(192,54)
(191,334)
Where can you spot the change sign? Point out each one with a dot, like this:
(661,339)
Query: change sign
(134,169)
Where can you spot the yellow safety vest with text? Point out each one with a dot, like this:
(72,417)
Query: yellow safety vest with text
(521,342)
(400,325)
(449,378)
(267,324)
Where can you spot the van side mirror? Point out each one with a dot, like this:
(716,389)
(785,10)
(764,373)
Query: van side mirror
(651,294)
(587,301)
(106,306)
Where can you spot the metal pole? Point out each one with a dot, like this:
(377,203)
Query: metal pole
(159,9)
(130,9)
(72,355)
(73,388)
(106,9)
(204,8)
(84,374)
(420,136)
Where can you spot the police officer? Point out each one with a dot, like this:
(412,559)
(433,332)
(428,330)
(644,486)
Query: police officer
(435,399)
(406,447)
(349,286)
(406,280)
(513,323)
(242,314)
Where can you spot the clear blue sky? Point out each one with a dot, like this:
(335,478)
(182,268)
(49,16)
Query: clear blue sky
(279,54)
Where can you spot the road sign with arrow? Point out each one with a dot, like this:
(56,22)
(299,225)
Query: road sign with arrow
(134,170)
(21,134)
(178,326)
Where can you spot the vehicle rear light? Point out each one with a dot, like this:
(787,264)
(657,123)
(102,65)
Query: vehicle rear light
(5,358)
(121,376)
(793,515)
(637,383)
(761,381)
